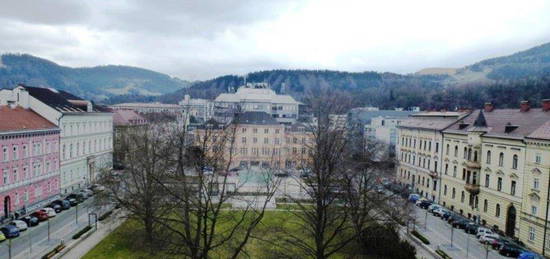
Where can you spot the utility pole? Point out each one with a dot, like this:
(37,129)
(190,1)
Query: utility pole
(76,214)
(49,230)
(426,220)
(9,248)
(467,246)
(452,229)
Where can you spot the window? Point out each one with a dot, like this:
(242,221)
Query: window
(5,153)
(487,180)
(515,162)
(497,211)
(489,157)
(436,147)
(501,159)
(5,176)
(243,130)
(266,141)
(64,152)
(25,151)
(513,188)
(465,153)
(255,130)
(485,205)
(15,153)
(456,151)
(15,175)
(435,185)
(446,168)
(536,183)
(462,197)
(475,156)
(454,193)
(531,234)
(538,160)
(447,150)
(445,190)
(266,131)
(243,140)
(254,140)
(276,131)
(499,184)
(534,210)
(454,171)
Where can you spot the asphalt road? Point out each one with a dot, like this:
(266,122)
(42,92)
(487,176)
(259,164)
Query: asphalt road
(438,233)
(34,243)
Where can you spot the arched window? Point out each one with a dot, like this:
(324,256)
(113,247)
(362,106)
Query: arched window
(489,157)
(497,211)
(485,205)
(475,156)
(456,151)
(465,153)
(515,162)
(470,154)
(501,159)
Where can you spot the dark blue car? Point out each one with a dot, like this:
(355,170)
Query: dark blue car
(10,231)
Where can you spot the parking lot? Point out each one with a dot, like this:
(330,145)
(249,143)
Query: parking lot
(38,240)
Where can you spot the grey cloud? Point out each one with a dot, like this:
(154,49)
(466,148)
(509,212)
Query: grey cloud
(45,12)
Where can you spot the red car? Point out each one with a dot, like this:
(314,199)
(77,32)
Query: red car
(41,215)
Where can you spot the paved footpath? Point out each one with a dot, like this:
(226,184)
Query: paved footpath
(103,230)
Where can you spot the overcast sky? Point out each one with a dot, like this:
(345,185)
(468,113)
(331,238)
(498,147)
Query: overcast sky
(201,39)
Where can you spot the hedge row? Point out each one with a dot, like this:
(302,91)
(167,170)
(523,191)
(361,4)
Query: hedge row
(421,237)
(443,254)
(105,215)
(81,232)
(56,250)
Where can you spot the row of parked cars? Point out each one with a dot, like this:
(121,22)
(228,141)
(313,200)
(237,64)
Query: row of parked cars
(15,227)
(505,246)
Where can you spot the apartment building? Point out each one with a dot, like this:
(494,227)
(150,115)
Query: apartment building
(419,150)
(201,109)
(259,141)
(256,97)
(86,138)
(29,162)
(495,170)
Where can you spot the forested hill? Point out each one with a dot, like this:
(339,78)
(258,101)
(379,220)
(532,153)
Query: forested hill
(504,81)
(96,83)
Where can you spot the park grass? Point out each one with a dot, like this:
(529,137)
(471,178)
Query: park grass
(123,242)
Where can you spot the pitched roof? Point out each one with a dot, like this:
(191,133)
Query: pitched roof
(20,119)
(57,99)
(257,118)
(543,132)
(127,117)
(527,123)
(431,120)
(245,94)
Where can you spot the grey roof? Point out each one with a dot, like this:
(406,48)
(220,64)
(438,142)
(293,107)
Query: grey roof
(256,118)
(366,116)
(533,123)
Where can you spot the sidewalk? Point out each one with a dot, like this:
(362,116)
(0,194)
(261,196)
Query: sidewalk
(103,229)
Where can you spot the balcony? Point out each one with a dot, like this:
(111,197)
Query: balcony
(472,188)
(473,164)
(433,174)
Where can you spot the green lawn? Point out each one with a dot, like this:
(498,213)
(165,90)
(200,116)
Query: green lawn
(120,243)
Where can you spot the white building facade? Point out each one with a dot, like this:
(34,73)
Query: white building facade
(86,133)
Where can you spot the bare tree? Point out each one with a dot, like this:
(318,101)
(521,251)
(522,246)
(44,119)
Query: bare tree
(136,189)
(199,192)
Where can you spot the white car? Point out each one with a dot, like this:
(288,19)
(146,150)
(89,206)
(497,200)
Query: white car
(19,224)
(433,207)
(488,238)
(51,212)
(439,212)
(483,231)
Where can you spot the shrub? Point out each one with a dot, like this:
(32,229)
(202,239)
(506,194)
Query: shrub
(105,215)
(54,251)
(443,254)
(383,241)
(81,232)
(421,237)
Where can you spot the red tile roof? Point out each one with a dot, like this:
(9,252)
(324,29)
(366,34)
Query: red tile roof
(20,119)
(127,117)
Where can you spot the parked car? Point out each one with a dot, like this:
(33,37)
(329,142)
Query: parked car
(439,212)
(497,243)
(56,207)
(488,238)
(89,192)
(433,207)
(460,223)
(30,220)
(414,197)
(2,237)
(483,231)
(446,215)
(99,188)
(471,228)
(453,217)
(65,204)
(50,212)
(40,215)
(72,201)
(77,196)
(510,250)
(10,231)
(530,255)
(19,224)
(424,204)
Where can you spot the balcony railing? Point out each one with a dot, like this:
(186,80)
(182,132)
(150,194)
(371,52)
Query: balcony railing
(433,174)
(473,164)
(472,188)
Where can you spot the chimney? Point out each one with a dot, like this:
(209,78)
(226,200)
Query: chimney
(524,106)
(489,107)
(546,105)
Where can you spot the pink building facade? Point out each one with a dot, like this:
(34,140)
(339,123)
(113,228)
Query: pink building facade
(29,161)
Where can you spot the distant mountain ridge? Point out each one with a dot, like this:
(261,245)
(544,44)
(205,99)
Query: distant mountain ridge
(97,83)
